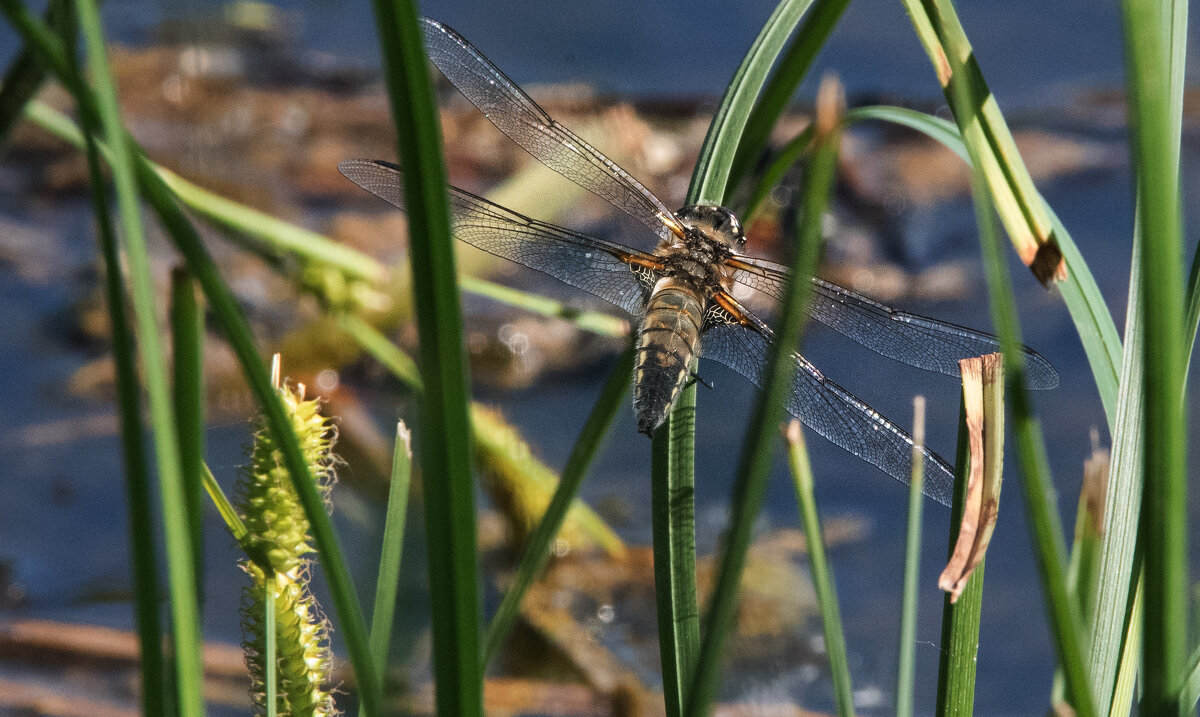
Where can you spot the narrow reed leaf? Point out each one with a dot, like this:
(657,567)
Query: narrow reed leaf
(906,661)
(710,178)
(1163,529)
(225,508)
(444,436)
(180,560)
(387,579)
(1037,487)
(1189,695)
(382,350)
(673,517)
(270,651)
(757,454)
(790,71)
(187,336)
(364,273)
(537,548)
(957,658)
(138,488)
(822,576)
(770,177)
(26,73)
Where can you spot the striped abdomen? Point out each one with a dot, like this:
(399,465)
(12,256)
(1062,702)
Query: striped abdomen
(670,337)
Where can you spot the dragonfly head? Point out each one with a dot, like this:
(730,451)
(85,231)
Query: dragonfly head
(715,223)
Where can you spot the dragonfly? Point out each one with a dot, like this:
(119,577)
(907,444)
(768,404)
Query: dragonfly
(684,294)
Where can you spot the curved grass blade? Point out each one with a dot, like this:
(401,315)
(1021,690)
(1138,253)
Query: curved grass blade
(1037,487)
(537,549)
(822,577)
(755,461)
(180,560)
(26,73)
(444,438)
(790,71)
(710,178)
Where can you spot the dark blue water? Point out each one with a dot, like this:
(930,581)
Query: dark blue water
(62,519)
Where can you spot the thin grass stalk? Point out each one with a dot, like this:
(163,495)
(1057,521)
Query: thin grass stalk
(537,549)
(1037,487)
(270,647)
(757,453)
(790,71)
(673,522)
(1164,500)
(387,578)
(907,658)
(180,561)
(27,73)
(187,336)
(822,576)
(444,447)
(138,489)
(958,657)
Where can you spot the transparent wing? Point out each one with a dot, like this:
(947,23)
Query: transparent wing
(915,340)
(527,124)
(830,410)
(594,265)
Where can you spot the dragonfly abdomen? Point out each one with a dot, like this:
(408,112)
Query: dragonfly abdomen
(669,339)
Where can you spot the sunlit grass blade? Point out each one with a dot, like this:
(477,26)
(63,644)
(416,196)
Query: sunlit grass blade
(1163,531)
(906,660)
(673,516)
(537,548)
(187,336)
(790,71)
(710,178)
(273,236)
(444,435)
(387,579)
(757,453)
(957,659)
(1037,487)
(822,576)
(270,650)
(138,490)
(185,618)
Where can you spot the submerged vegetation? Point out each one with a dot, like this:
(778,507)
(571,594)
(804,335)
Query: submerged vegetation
(1117,601)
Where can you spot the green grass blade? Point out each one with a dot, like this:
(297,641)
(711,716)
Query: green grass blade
(537,549)
(1155,136)
(444,436)
(187,335)
(1037,487)
(26,73)
(385,352)
(906,662)
(1027,218)
(138,488)
(710,178)
(791,153)
(1190,693)
(822,576)
(180,561)
(958,657)
(757,452)
(673,515)
(388,577)
(791,70)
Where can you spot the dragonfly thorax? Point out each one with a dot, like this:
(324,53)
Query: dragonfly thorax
(697,259)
